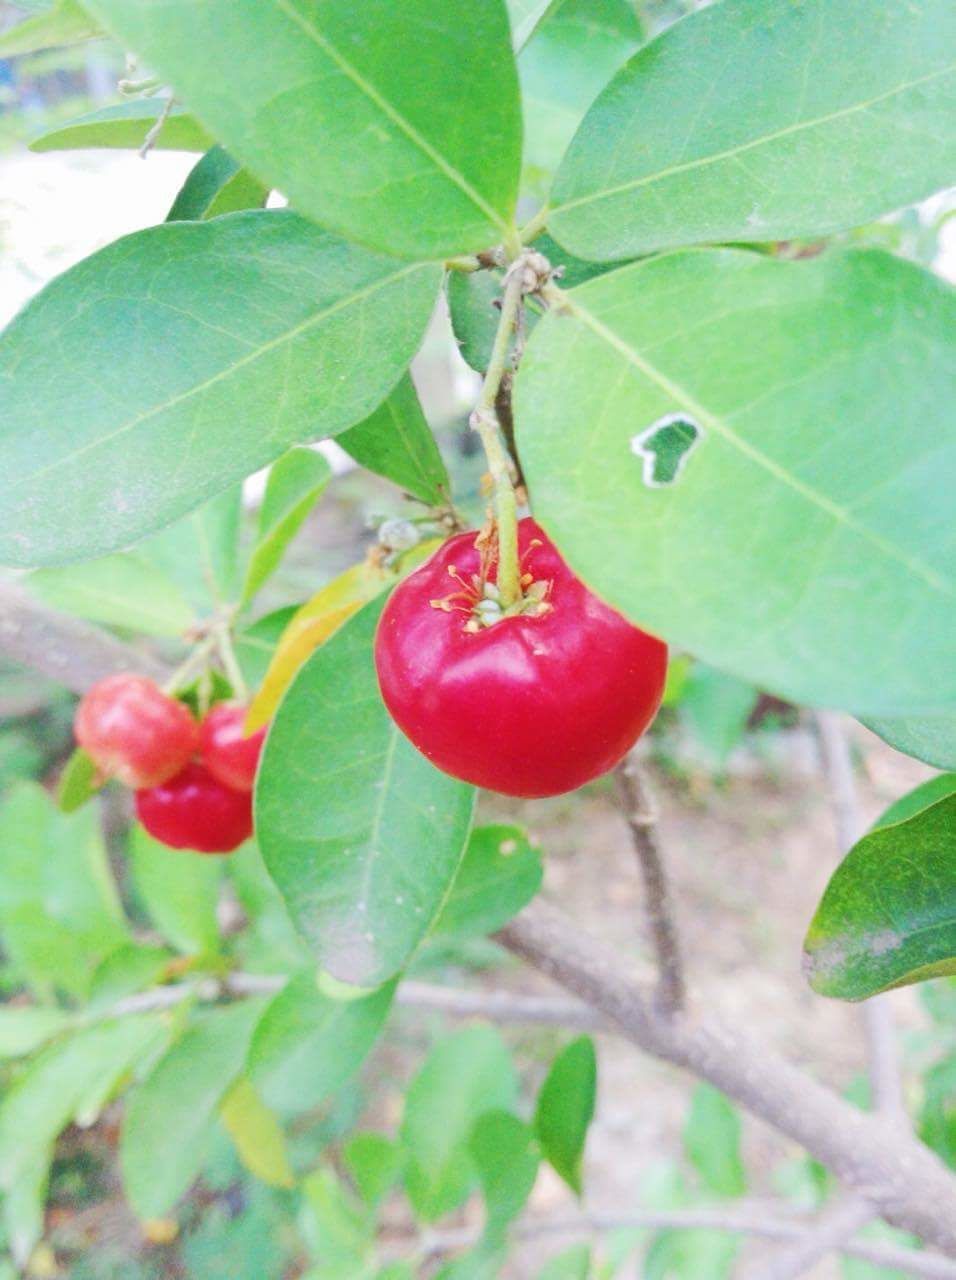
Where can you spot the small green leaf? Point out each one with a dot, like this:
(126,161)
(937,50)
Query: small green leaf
(507,1157)
(24,1028)
(919,798)
(888,916)
(525,16)
(937,1121)
(229,341)
(307,1045)
(337,1229)
(257,1134)
(122,591)
(78,782)
(179,891)
(170,1117)
(565,1109)
(928,738)
(717,706)
(465,1075)
(374,1163)
(67,22)
(396,442)
(256,644)
(270,943)
(421,165)
(216,185)
(572,1264)
(712,1142)
(200,553)
(500,873)
(296,482)
(786,150)
(128,969)
(125,127)
(363,837)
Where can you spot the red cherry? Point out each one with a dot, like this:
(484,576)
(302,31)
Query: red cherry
(135,732)
(195,811)
(533,704)
(230,756)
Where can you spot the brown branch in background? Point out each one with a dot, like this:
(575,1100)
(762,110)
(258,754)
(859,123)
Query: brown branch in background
(635,801)
(830,1233)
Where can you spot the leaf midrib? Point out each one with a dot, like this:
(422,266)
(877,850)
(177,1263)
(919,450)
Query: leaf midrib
(720,428)
(406,127)
(731,153)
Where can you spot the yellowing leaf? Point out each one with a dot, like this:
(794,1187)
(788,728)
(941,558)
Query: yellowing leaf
(321,617)
(257,1134)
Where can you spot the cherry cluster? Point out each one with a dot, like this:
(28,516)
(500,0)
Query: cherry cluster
(193,780)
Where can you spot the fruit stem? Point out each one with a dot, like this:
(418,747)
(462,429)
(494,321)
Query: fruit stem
(230,662)
(533,228)
(484,420)
(193,664)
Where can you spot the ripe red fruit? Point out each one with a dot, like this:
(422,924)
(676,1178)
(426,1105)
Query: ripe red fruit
(134,732)
(194,811)
(537,702)
(230,756)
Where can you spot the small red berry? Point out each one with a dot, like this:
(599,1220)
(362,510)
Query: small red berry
(230,756)
(529,701)
(134,732)
(195,811)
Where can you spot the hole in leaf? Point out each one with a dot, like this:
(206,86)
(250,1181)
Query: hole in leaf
(664,448)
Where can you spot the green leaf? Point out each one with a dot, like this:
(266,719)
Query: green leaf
(200,553)
(712,1142)
(500,873)
(929,738)
(421,165)
(59,909)
(296,482)
(465,1075)
(575,50)
(179,891)
(55,1089)
(782,547)
(565,1108)
(506,1155)
(374,1163)
(67,22)
(919,798)
(24,1028)
(124,127)
(257,1134)
(525,16)
(128,969)
(781,147)
(337,1230)
(256,644)
(78,782)
(937,1121)
(308,1045)
(362,836)
(229,341)
(170,1117)
(217,184)
(717,706)
(572,1264)
(121,591)
(396,442)
(888,915)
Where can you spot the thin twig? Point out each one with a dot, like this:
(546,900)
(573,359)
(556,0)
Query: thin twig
(635,801)
(150,140)
(830,1233)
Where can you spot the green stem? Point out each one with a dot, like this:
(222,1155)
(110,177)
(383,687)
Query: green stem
(230,663)
(466,262)
(485,421)
(194,663)
(534,226)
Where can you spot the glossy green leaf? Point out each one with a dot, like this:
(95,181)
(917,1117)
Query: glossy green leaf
(500,873)
(421,165)
(782,545)
(575,50)
(396,442)
(783,145)
(565,1109)
(888,915)
(124,127)
(919,798)
(296,482)
(361,834)
(257,1134)
(216,185)
(122,591)
(65,23)
(465,1075)
(59,909)
(78,782)
(200,553)
(308,1045)
(712,1142)
(374,1163)
(227,342)
(507,1157)
(169,1118)
(929,738)
(24,1028)
(179,891)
